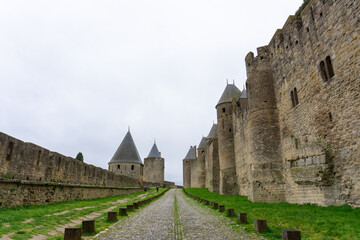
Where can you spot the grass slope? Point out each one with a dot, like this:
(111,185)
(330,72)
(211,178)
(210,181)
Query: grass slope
(12,219)
(314,222)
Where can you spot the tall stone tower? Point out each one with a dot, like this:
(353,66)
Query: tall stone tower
(228,182)
(212,170)
(189,158)
(126,160)
(154,168)
(201,164)
(266,179)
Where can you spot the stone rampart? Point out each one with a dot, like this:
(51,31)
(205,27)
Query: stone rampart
(19,192)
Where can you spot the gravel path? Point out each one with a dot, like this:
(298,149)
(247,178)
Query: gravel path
(155,221)
(187,220)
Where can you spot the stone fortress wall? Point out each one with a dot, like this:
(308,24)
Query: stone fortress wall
(296,136)
(21,163)
(154,171)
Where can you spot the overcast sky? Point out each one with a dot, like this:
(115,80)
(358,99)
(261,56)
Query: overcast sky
(75,74)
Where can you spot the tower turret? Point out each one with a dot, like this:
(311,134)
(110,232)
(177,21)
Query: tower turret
(228,183)
(126,160)
(190,156)
(263,128)
(154,168)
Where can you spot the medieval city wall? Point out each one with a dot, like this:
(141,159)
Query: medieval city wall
(296,134)
(28,162)
(212,165)
(19,192)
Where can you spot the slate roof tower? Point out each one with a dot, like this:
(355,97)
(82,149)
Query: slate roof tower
(190,156)
(126,160)
(154,166)
(228,181)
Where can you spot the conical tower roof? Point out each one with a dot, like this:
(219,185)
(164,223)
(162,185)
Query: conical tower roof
(154,152)
(243,94)
(126,152)
(213,131)
(230,92)
(191,153)
(202,143)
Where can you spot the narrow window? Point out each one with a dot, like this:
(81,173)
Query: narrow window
(59,163)
(223,124)
(10,150)
(296,97)
(292,98)
(223,110)
(329,67)
(323,71)
(38,158)
(125,167)
(118,167)
(330,117)
(132,167)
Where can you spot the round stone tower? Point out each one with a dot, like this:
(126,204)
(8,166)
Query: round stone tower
(263,127)
(126,160)
(189,158)
(201,163)
(225,135)
(154,168)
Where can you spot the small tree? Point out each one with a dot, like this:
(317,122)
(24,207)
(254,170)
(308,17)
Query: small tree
(80,157)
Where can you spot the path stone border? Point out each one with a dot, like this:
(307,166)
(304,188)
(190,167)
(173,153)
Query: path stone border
(259,224)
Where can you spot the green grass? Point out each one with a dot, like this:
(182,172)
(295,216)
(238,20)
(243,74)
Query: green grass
(42,224)
(314,222)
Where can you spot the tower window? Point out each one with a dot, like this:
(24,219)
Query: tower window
(132,167)
(10,150)
(223,110)
(118,167)
(294,97)
(330,117)
(326,69)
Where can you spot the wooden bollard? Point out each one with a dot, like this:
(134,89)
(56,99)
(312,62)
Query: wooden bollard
(112,216)
(242,218)
(122,211)
(136,205)
(207,203)
(88,226)
(221,208)
(291,234)
(73,233)
(216,205)
(260,225)
(231,212)
(130,207)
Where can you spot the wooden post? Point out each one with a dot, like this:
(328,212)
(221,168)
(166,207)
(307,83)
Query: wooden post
(88,226)
(260,225)
(231,212)
(130,207)
(242,218)
(207,202)
(112,216)
(136,205)
(221,208)
(291,234)
(216,205)
(72,233)
(122,211)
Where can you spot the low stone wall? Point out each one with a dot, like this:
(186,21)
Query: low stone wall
(18,192)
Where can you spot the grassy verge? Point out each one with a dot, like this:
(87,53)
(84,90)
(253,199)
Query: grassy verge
(26,222)
(314,222)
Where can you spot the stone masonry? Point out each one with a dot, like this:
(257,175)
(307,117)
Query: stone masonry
(294,134)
